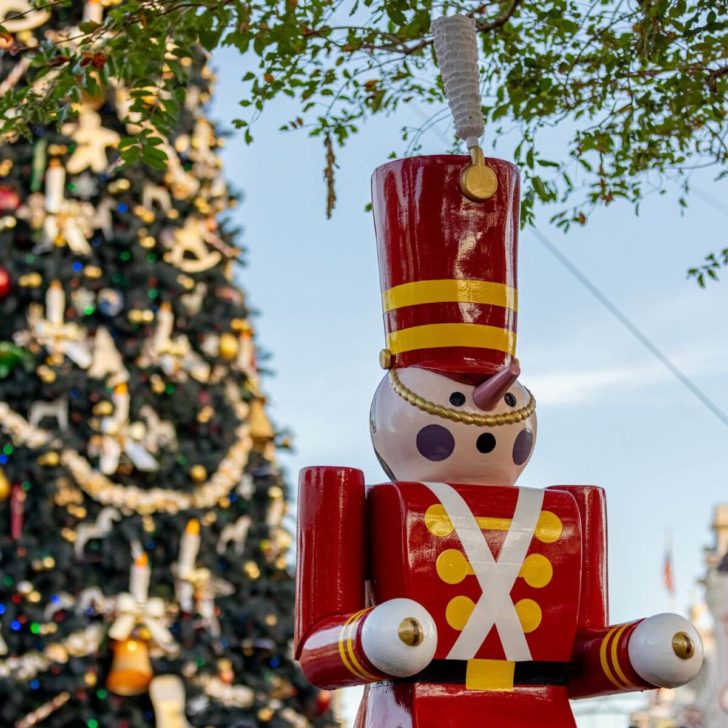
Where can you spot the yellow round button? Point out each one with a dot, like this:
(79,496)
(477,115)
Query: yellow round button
(458,612)
(452,566)
(549,527)
(537,571)
(437,521)
(529,614)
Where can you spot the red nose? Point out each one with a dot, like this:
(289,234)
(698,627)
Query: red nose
(488,394)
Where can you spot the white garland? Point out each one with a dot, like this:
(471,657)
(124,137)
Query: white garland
(77,644)
(144,501)
(231,696)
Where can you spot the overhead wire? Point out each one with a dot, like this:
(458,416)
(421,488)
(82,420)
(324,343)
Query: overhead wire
(705,197)
(628,324)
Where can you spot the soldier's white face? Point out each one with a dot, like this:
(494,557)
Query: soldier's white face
(414,445)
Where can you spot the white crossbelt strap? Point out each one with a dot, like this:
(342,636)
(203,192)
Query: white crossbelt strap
(496,578)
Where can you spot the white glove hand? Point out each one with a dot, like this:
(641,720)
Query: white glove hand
(666,650)
(399,637)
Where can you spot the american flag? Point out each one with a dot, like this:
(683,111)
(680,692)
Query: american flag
(668,578)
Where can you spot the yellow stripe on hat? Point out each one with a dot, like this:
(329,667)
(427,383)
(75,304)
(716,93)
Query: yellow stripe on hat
(450,290)
(438,336)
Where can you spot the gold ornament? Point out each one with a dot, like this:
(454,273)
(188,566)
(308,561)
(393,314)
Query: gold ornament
(144,214)
(45,374)
(103,409)
(228,346)
(265,714)
(241,326)
(30,280)
(119,185)
(251,569)
(261,429)
(205,414)
(4,486)
(198,473)
(49,459)
(92,271)
(225,671)
(141,316)
(131,670)
(202,206)
(77,512)
(186,282)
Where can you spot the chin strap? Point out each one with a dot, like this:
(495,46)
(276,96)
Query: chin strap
(504,418)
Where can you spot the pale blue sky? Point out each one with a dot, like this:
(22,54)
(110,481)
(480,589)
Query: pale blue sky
(609,414)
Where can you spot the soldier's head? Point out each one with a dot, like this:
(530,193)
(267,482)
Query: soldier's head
(428,427)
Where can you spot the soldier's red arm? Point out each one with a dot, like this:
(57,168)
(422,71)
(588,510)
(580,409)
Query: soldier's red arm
(602,664)
(330,600)
(600,661)
(332,655)
(338,640)
(661,651)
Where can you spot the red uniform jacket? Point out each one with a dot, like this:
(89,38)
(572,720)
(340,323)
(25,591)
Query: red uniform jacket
(514,578)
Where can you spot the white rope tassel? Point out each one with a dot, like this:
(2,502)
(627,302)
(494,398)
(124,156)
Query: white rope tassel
(457,53)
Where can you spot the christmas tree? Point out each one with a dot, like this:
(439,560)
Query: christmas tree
(143,549)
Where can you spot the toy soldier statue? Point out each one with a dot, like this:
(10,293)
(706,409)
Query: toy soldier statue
(455,596)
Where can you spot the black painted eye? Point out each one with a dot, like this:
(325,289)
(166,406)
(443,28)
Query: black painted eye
(485,443)
(457,399)
(510,399)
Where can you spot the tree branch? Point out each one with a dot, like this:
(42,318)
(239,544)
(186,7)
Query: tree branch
(500,21)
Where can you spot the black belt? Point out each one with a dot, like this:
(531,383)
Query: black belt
(525,673)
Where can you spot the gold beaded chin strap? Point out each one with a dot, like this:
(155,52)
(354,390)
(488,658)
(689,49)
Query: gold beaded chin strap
(505,418)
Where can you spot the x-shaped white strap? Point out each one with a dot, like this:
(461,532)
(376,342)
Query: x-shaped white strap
(496,578)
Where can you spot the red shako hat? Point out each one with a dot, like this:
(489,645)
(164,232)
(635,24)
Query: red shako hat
(447,266)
